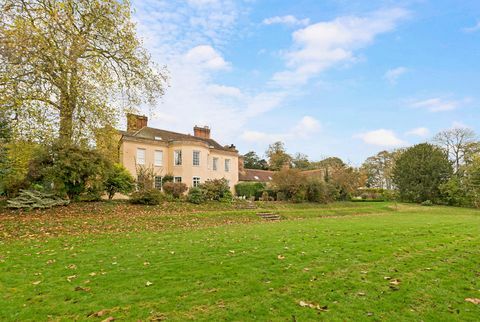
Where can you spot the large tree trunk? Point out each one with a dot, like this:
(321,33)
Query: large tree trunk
(66,124)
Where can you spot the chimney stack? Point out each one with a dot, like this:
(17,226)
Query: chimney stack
(136,122)
(201,132)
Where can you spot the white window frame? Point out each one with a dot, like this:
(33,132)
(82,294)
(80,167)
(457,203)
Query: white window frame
(155,182)
(215,164)
(177,157)
(196,152)
(227,165)
(158,162)
(195,181)
(177,179)
(140,159)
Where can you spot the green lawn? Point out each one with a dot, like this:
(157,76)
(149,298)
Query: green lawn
(345,262)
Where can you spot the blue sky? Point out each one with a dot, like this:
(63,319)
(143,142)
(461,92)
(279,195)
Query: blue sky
(328,78)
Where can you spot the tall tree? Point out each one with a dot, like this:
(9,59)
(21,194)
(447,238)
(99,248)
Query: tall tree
(252,161)
(278,158)
(300,161)
(420,171)
(459,143)
(76,61)
(379,169)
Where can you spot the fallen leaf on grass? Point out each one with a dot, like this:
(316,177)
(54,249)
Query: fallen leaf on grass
(146,263)
(70,278)
(472,300)
(92,274)
(395,282)
(36,282)
(281,257)
(313,306)
(361,294)
(148,283)
(99,313)
(84,289)
(109,319)
(72,266)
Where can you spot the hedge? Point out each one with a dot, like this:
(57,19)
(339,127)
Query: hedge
(248,189)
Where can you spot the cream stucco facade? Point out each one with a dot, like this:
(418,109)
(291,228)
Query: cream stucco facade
(211,162)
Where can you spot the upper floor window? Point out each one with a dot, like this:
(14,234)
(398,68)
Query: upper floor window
(227,165)
(159,158)
(178,157)
(196,158)
(177,179)
(196,181)
(141,156)
(215,164)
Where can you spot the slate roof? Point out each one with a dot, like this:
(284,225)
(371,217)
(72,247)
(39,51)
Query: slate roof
(255,175)
(169,136)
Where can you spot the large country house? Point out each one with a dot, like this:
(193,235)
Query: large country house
(191,159)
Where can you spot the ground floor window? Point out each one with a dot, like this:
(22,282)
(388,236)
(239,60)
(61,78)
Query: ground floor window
(177,179)
(158,182)
(196,181)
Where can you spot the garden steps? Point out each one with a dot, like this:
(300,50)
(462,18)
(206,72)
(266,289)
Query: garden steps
(269,216)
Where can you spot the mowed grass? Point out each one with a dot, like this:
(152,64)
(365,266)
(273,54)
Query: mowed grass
(345,262)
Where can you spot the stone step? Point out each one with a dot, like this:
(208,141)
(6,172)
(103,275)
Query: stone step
(269,216)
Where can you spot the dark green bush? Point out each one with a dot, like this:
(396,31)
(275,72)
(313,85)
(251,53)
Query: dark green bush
(147,197)
(195,196)
(69,170)
(248,189)
(118,180)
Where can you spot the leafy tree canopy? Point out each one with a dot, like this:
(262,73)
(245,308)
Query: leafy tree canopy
(252,161)
(419,172)
(278,158)
(71,66)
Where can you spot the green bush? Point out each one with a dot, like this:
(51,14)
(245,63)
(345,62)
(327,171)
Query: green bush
(195,196)
(147,197)
(69,170)
(319,191)
(118,180)
(33,199)
(227,197)
(216,189)
(427,203)
(248,189)
(175,189)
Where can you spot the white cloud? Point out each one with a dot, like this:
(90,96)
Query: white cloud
(438,104)
(419,131)
(325,44)
(382,138)
(473,29)
(222,90)
(304,129)
(286,20)
(205,56)
(392,75)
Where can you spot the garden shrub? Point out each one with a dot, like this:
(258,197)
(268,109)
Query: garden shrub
(175,189)
(248,189)
(216,189)
(69,170)
(227,197)
(34,199)
(147,197)
(195,196)
(427,203)
(118,180)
